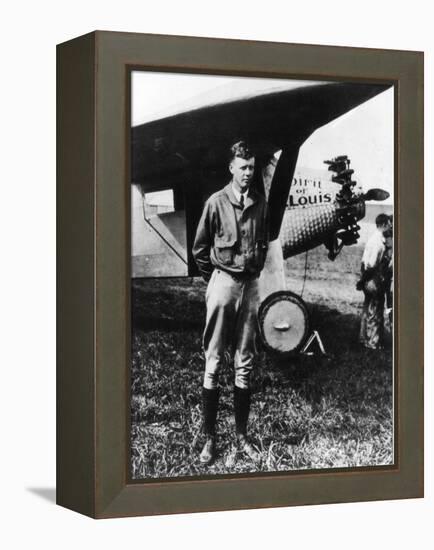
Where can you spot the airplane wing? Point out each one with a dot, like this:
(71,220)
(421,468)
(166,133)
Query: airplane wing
(187,151)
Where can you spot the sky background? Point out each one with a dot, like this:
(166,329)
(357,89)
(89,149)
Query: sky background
(365,134)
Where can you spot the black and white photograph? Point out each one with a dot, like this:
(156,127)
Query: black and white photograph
(170,381)
(262,241)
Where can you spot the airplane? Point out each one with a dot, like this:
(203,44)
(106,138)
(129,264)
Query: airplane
(185,153)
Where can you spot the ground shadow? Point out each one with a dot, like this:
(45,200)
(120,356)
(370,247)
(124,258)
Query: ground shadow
(168,305)
(146,323)
(46,493)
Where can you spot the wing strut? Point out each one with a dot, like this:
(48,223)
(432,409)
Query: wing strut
(165,241)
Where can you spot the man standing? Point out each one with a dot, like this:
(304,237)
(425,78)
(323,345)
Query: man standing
(372,282)
(387,264)
(229,249)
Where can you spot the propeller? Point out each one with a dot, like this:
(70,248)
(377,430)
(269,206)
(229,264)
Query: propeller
(376,195)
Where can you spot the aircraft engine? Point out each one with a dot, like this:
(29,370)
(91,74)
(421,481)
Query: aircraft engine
(305,228)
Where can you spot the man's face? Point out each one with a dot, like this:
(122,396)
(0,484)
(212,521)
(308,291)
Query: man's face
(384,227)
(242,172)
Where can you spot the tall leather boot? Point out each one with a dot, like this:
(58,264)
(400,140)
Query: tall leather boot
(209,410)
(242,410)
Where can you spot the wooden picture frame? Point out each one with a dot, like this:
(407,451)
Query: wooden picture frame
(93,273)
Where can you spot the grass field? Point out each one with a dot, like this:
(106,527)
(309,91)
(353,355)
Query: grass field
(307,413)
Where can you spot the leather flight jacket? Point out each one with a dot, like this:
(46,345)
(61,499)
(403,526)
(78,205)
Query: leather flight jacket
(231,238)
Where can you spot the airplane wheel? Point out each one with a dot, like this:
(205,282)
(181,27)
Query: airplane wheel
(283,322)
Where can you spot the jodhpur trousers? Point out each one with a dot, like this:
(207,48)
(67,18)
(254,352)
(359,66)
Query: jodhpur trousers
(231,321)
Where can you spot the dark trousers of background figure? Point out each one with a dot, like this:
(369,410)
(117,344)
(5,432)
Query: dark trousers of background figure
(372,321)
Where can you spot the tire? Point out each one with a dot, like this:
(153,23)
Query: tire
(283,321)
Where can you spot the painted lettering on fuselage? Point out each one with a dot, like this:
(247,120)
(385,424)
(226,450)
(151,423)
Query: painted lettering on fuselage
(311,188)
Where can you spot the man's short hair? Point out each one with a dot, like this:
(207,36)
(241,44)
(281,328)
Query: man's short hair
(240,149)
(381,219)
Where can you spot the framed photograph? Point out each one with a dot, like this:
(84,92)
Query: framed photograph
(240,274)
